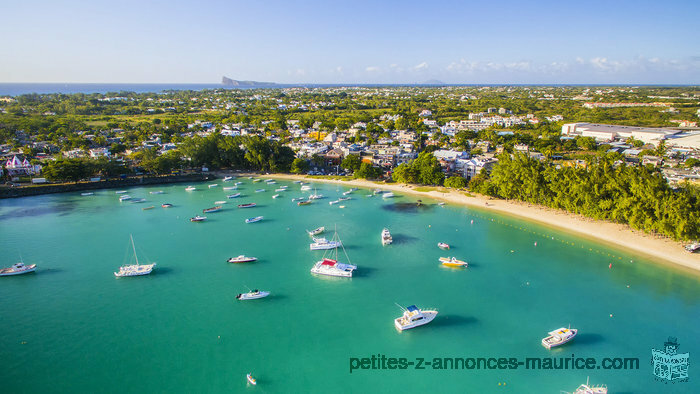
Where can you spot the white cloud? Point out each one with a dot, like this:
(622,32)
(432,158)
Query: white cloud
(372,69)
(421,66)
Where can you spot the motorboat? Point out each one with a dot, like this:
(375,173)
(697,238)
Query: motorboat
(149,207)
(324,244)
(315,196)
(235,195)
(259,190)
(213,209)
(166,205)
(453,262)
(253,295)
(198,218)
(220,202)
(227,178)
(156,192)
(297,199)
(248,205)
(307,202)
(559,337)
(281,189)
(386,237)
(251,379)
(257,180)
(255,219)
(242,259)
(190,188)
(333,202)
(414,317)
(17,269)
(137,200)
(134,269)
(87,194)
(316,231)
(276,196)
(388,195)
(213,185)
(120,192)
(230,187)
(124,197)
(306,187)
(443,245)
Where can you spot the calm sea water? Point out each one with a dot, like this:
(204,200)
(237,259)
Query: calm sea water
(73,327)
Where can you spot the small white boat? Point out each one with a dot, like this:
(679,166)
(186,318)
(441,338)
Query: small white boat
(198,218)
(230,187)
(213,209)
(124,197)
(281,189)
(316,231)
(257,180)
(17,269)
(156,192)
(227,178)
(315,196)
(238,183)
(251,379)
(233,195)
(138,200)
(453,262)
(298,199)
(349,191)
(253,295)
(306,187)
(242,259)
(220,202)
(275,196)
(166,205)
(255,219)
(588,389)
(87,194)
(324,244)
(443,245)
(386,237)
(414,317)
(297,182)
(388,195)
(333,202)
(213,185)
(559,337)
(190,188)
(120,191)
(270,182)
(259,190)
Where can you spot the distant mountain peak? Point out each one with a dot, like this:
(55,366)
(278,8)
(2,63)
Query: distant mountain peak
(232,82)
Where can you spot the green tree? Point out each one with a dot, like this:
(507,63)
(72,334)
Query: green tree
(300,166)
(456,182)
(351,163)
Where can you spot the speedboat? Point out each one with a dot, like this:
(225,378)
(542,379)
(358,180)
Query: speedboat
(559,337)
(17,269)
(227,178)
(297,199)
(333,202)
(233,195)
(166,205)
(333,268)
(198,218)
(138,200)
(242,259)
(306,187)
(443,245)
(257,180)
(87,194)
(248,205)
(324,244)
(251,379)
(213,185)
(270,181)
(238,183)
(349,191)
(255,219)
(386,237)
(316,231)
(213,209)
(230,187)
(414,317)
(120,192)
(259,190)
(388,195)
(220,202)
(453,262)
(281,189)
(307,202)
(275,196)
(124,197)
(190,188)
(252,295)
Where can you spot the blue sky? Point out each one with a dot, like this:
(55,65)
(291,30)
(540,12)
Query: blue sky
(317,41)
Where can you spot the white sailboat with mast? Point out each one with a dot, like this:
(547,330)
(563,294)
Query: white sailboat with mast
(134,269)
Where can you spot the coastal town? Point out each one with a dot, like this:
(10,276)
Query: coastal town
(458,133)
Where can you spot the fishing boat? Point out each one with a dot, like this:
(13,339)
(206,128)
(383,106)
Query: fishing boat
(230,187)
(213,209)
(316,231)
(253,295)
(332,267)
(443,245)
(388,195)
(156,192)
(248,205)
(236,195)
(17,269)
(276,196)
(242,259)
(453,262)
(166,205)
(134,269)
(324,244)
(227,178)
(190,188)
(414,317)
(255,219)
(251,379)
(307,202)
(124,197)
(386,237)
(120,191)
(147,208)
(87,194)
(559,337)
(198,218)
(588,389)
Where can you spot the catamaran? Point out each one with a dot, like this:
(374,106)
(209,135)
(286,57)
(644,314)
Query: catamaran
(414,317)
(332,267)
(134,269)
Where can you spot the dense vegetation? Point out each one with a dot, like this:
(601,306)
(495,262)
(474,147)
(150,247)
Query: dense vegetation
(603,189)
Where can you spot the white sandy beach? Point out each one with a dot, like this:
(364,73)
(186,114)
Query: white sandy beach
(659,249)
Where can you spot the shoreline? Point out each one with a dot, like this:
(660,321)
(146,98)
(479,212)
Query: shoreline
(662,250)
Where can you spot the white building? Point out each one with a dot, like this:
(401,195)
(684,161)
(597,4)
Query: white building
(606,132)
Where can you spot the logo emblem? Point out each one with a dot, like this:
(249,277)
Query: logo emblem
(669,366)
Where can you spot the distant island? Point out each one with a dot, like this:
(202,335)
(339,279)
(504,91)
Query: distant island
(232,82)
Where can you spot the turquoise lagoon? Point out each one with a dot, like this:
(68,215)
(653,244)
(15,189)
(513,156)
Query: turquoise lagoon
(73,327)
